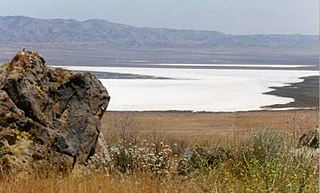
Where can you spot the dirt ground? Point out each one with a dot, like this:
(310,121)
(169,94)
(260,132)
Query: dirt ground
(196,125)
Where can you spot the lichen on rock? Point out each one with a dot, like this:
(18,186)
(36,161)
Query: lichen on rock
(48,116)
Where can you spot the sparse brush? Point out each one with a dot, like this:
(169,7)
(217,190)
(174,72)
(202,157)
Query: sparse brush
(266,161)
(202,159)
(128,158)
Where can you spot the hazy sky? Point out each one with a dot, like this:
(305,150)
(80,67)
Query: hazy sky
(229,16)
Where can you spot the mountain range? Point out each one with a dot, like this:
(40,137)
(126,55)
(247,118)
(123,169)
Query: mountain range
(99,42)
(16,29)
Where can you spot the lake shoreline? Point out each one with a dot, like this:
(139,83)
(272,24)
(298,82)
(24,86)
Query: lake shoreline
(305,93)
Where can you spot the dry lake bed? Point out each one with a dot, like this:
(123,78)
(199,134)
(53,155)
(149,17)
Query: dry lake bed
(163,87)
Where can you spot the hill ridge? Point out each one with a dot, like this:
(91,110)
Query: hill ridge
(16,29)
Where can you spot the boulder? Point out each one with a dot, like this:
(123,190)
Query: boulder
(49,117)
(310,139)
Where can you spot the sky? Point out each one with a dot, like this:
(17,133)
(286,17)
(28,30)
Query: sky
(228,16)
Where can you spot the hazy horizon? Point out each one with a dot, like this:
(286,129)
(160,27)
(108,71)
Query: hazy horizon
(231,17)
(172,28)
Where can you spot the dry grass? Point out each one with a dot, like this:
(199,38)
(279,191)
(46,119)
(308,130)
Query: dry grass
(226,128)
(189,124)
(245,174)
(263,160)
(98,183)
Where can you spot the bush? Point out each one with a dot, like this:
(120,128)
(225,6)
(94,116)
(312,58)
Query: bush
(267,163)
(127,158)
(264,146)
(202,159)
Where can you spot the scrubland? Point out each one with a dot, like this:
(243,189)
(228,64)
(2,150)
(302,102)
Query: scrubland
(187,152)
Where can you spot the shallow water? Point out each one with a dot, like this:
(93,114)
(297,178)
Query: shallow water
(196,89)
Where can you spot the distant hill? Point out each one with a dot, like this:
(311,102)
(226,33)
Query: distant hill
(100,43)
(16,29)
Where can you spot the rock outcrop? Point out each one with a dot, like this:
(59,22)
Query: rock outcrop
(310,139)
(49,117)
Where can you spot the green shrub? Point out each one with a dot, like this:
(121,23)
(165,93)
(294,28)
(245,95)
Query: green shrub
(202,159)
(268,163)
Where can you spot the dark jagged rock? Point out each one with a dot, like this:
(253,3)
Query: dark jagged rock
(48,117)
(310,139)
